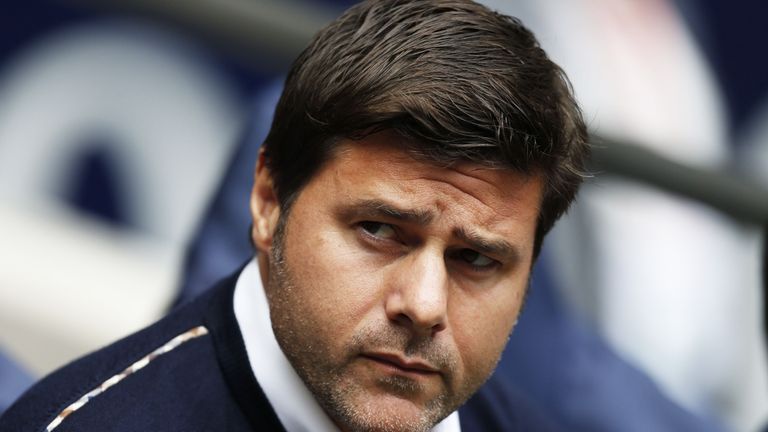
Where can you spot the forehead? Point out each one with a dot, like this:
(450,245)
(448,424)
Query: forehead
(380,168)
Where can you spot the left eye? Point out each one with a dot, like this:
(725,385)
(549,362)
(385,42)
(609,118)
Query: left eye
(378,229)
(476,259)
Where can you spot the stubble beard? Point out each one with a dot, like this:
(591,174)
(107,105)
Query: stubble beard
(328,380)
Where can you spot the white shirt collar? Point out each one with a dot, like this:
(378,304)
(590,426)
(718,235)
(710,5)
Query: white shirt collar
(293,403)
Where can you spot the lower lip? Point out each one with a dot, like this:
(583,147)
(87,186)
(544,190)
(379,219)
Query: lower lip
(395,369)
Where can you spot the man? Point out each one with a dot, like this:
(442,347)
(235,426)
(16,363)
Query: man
(419,153)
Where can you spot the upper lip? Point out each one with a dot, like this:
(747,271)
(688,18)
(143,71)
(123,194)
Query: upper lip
(410,364)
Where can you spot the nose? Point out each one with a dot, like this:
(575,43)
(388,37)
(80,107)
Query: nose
(418,294)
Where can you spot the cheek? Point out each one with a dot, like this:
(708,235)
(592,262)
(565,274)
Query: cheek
(482,333)
(336,287)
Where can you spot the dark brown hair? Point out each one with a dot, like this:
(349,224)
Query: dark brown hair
(461,81)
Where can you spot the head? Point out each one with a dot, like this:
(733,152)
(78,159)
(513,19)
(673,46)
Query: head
(418,155)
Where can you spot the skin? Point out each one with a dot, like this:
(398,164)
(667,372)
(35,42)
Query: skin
(395,283)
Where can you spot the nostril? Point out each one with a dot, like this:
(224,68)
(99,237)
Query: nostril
(404,320)
(419,324)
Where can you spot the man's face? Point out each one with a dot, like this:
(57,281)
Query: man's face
(396,283)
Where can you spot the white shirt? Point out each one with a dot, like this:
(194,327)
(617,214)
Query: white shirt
(292,401)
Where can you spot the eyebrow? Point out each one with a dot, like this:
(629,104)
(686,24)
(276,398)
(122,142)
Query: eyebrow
(498,248)
(374,207)
(378,208)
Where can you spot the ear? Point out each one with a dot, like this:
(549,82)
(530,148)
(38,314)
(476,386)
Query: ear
(265,209)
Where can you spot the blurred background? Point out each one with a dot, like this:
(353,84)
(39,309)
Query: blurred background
(128,131)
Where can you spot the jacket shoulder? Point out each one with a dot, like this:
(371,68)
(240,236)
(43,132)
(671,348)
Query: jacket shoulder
(498,405)
(155,379)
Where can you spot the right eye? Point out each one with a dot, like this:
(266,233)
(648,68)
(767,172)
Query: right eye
(379,230)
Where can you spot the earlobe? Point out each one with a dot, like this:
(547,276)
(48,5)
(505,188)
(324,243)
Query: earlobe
(265,209)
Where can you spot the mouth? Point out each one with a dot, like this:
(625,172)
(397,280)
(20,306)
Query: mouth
(402,365)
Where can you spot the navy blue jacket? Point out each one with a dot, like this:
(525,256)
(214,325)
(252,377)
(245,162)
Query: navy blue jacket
(203,384)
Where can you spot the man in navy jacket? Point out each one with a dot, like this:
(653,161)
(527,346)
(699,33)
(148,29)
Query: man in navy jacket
(418,155)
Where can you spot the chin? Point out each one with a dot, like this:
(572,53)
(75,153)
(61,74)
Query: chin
(387,415)
(384,411)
